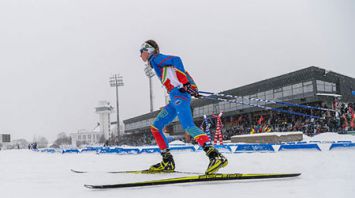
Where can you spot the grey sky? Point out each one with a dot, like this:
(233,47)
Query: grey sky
(56,56)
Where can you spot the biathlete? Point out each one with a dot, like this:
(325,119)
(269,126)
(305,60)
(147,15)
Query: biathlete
(180,86)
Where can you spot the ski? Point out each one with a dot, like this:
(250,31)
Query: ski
(140,172)
(194,178)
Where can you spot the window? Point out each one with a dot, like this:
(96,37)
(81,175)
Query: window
(206,109)
(210,108)
(307,87)
(334,87)
(269,95)
(224,106)
(233,106)
(320,85)
(216,108)
(252,99)
(227,106)
(287,91)
(201,111)
(240,103)
(197,111)
(246,101)
(278,93)
(297,89)
(328,87)
(261,95)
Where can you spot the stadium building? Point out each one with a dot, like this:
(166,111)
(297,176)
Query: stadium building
(5,138)
(312,86)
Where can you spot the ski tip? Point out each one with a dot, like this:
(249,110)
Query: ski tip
(76,171)
(290,175)
(287,174)
(295,174)
(89,186)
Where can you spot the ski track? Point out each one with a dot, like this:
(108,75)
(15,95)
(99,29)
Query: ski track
(25,173)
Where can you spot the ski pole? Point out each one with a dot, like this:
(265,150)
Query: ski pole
(260,106)
(269,101)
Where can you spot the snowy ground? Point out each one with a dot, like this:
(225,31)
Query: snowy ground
(324,174)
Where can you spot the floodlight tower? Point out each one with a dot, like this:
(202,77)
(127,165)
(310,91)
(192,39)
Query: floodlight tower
(149,73)
(117,81)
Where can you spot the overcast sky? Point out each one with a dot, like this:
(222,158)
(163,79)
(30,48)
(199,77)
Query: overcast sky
(56,56)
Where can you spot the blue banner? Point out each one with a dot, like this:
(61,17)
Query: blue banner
(353,93)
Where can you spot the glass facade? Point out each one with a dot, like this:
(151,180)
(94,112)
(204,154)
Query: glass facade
(269,94)
(277,93)
(308,87)
(297,89)
(210,109)
(140,124)
(287,91)
(323,86)
(261,95)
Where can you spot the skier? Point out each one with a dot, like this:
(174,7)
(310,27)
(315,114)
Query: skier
(181,87)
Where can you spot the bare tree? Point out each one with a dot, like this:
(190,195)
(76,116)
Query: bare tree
(62,139)
(102,139)
(42,142)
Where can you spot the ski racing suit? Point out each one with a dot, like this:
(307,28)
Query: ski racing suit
(170,70)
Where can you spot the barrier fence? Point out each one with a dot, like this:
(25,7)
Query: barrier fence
(228,148)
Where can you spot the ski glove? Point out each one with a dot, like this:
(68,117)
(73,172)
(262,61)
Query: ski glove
(193,92)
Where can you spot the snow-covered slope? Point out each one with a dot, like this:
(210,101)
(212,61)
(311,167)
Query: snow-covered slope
(30,174)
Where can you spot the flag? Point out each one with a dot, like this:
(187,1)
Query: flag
(240,119)
(261,119)
(352,120)
(345,125)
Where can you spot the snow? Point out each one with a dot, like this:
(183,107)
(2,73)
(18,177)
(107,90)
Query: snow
(325,174)
(271,134)
(329,137)
(177,142)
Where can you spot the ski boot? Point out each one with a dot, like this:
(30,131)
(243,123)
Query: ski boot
(217,160)
(166,165)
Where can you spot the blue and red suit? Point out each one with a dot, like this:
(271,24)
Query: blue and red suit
(170,70)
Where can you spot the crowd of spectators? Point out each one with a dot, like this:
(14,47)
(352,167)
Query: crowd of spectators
(340,120)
